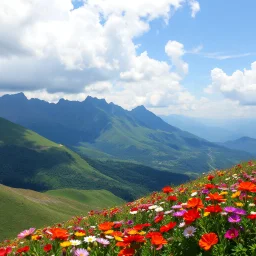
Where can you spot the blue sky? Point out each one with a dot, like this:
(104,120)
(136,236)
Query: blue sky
(189,57)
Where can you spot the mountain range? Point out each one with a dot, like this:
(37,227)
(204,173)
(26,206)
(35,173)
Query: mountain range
(99,130)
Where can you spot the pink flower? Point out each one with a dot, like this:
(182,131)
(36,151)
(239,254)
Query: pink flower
(231,233)
(26,233)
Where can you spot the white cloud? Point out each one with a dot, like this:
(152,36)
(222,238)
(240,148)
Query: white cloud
(240,86)
(175,51)
(195,7)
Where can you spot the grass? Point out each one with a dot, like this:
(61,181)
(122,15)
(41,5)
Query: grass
(21,208)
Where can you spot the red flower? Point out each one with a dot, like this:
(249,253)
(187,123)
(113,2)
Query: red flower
(213,208)
(158,240)
(47,247)
(158,218)
(172,198)
(252,216)
(127,252)
(167,227)
(23,249)
(191,215)
(5,251)
(209,186)
(134,238)
(167,189)
(210,177)
(141,226)
(208,240)
(105,226)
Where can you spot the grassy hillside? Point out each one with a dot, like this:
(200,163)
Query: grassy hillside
(211,216)
(20,208)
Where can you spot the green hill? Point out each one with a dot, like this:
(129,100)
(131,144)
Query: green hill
(28,160)
(21,208)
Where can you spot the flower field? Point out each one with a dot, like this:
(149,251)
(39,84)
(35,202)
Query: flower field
(213,215)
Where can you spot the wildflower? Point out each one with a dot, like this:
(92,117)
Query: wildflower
(158,218)
(58,233)
(81,252)
(208,240)
(234,218)
(189,231)
(90,239)
(213,209)
(179,213)
(195,203)
(190,216)
(247,186)
(252,216)
(240,211)
(194,194)
(167,189)
(26,233)
(215,197)
(75,242)
(102,241)
(210,177)
(134,238)
(182,224)
(231,233)
(159,209)
(126,252)
(229,209)
(172,198)
(47,247)
(158,240)
(167,227)
(5,251)
(239,204)
(105,226)
(152,207)
(80,233)
(23,249)
(236,194)
(65,244)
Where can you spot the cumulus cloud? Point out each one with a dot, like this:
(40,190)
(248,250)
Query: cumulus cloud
(239,86)
(195,7)
(175,51)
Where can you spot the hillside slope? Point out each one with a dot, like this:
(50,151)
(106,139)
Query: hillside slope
(100,130)
(21,208)
(213,215)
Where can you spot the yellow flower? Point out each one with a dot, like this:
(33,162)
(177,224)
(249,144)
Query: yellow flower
(239,204)
(206,214)
(109,232)
(142,233)
(236,194)
(223,193)
(65,244)
(118,238)
(34,237)
(132,232)
(79,234)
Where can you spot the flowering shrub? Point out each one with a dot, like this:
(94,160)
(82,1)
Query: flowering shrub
(214,215)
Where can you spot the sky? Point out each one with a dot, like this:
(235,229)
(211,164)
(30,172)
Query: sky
(189,57)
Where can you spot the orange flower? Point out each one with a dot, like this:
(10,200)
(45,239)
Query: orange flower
(105,226)
(215,197)
(134,238)
(247,186)
(167,189)
(158,240)
(208,240)
(213,208)
(59,233)
(127,252)
(195,203)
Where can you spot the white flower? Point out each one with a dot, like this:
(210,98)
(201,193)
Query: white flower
(134,212)
(159,209)
(189,231)
(251,205)
(75,242)
(93,227)
(227,178)
(253,212)
(194,194)
(152,207)
(109,237)
(182,224)
(90,239)
(168,212)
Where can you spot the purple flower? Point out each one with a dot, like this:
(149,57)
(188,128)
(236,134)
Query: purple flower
(234,218)
(231,233)
(129,222)
(176,206)
(240,211)
(230,209)
(205,191)
(102,241)
(179,213)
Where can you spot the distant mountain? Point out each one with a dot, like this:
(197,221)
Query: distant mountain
(25,208)
(100,130)
(211,132)
(245,143)
(28,160)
